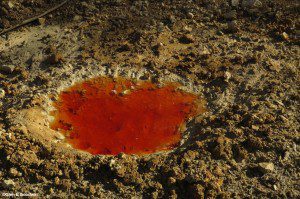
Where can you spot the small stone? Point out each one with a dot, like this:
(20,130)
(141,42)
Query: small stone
(7,68)
(197,191)
(171,180)
(172,19)
(77,18)
(121,155)
(56,181)
(155,194)
(190,15)
(13,172)
(254,127)
(173,194)
(124,47)
(271,105)
(23,129)
(266,167)
(186,39)
(59,136)
(66,184)
(232,26)
(285,36)
(235,3)
(160,27)
(2,93)
(295,147)
(230,15)
(42,21)
(10,4)
(219,32)
(204,51)
(24,74)
(60,171)
(8,183)
(187,28)
(274,65)
(126,92)
(227,76)
(251,3)
(55,58)
(112,162)
(92,189)
(51,191)
(286,156)
(157,49)
(114,92)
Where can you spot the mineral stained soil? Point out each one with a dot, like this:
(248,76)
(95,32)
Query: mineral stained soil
(110,116)
(240,56)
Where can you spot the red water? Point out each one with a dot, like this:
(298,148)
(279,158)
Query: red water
(106,116)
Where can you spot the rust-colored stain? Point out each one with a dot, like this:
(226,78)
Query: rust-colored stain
(109,116)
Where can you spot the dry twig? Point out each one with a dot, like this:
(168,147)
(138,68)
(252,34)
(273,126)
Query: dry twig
(33,18)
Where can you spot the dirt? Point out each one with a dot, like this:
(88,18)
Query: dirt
(242,57)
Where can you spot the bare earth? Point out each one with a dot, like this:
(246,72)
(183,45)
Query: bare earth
(241,56)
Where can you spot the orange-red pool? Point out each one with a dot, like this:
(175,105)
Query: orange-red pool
(109,116)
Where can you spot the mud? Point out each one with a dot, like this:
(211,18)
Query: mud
(242,57)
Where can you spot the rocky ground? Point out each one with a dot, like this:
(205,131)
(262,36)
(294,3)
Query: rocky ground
(241,56)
